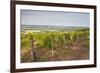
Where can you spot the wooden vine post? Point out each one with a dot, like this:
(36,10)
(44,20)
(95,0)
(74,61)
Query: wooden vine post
(33,50)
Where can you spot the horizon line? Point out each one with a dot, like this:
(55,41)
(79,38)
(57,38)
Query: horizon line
(55,25)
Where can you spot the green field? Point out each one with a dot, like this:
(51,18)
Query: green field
(54,44)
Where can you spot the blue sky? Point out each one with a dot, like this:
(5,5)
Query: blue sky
(54,18)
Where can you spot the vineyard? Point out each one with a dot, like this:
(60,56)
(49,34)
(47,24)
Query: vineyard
(55,45)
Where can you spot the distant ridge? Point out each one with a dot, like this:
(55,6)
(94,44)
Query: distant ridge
(50,28)
(53,26)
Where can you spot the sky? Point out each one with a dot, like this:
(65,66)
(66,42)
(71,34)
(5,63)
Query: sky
(54,18)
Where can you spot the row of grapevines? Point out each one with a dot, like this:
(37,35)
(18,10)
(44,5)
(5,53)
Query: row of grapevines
(53,39)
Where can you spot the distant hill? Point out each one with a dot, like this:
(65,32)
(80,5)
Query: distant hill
(46,27)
